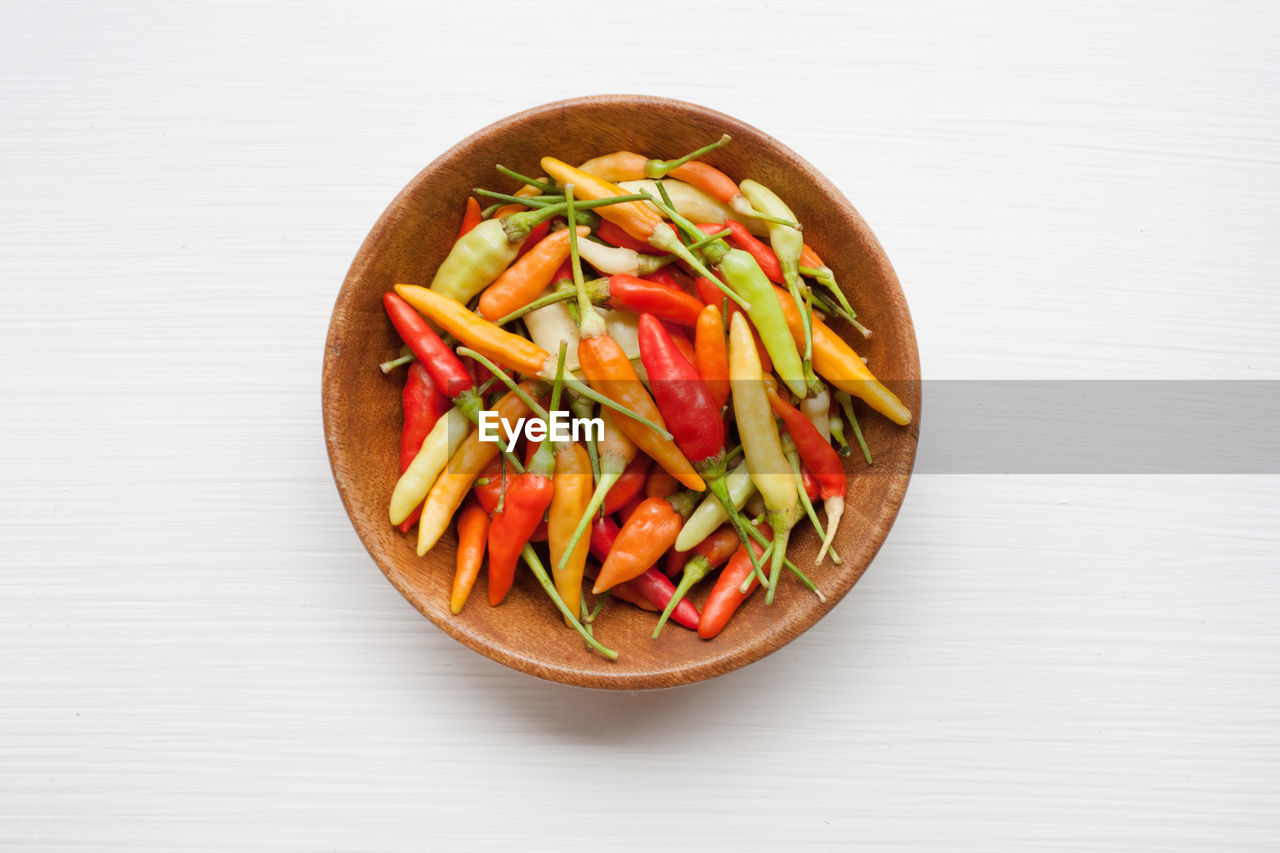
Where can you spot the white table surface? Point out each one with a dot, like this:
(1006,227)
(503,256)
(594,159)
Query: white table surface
(196,653)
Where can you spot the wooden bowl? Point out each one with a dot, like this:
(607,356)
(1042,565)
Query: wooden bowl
(362,406)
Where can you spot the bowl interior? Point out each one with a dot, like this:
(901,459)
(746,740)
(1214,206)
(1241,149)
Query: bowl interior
(362,406)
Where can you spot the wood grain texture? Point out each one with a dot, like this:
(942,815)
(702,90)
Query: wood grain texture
(197,653)
(361,406)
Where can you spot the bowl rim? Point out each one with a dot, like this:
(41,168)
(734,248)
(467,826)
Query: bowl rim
(714,664)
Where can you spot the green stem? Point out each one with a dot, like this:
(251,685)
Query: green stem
(525,200)
(764,217)
(508,381)
(540,573)
(781,533)
(790,566)
(540,302)
(695,570)
(656,169)
(698,244)
(789,448)
(716,485)
(664,237)
(541,186)
(608,478)
(489,211)
(846,403)
(599,606)
(388,366)
(471,403)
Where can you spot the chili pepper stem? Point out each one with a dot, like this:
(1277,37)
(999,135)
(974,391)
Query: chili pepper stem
(826,534)
(739,204)
(608,478)
(695,570)
(846,403)
(577,386)
(780,522)
(790,566)
(658,169)
(471,403)
(518,225)
(505,380)
(388,366)
(541,302)
(535,565)
(541,186)
(664,237)
(717,486)
(698,244)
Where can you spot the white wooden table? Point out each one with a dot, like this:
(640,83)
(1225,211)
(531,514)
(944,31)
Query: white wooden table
(196,653)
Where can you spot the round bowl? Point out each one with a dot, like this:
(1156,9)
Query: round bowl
(362,406)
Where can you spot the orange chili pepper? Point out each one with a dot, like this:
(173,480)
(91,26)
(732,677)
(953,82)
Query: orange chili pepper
(473,533)
(477,333)
(646,536)
(841,366)
(708,293)
(609,371)
(711,354)
(527,277)
(572,492)
(471,217)
(637,219)
(464,466)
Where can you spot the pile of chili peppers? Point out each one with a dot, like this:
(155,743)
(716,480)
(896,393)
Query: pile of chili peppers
(687,313)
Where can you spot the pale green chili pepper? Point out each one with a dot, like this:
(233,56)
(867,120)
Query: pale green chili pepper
(788,244)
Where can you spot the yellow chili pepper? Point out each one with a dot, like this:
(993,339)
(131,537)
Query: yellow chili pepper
(418,478)
(464,466)
(768,465)
(572,492)
(637,219)
(479,334)
(841,366)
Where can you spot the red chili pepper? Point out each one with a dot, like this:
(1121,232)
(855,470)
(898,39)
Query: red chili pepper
(810,485)
(818,456)
(671,276)
(689,410)
(630,484)
(423,406)
(705,557)
(652,587)
(662,300)
(717,548)
(613,234)
(725,598)
(711,295)
(490,492)
(763,253)
(471,217)
(446,369)
(682,397)
(528,497)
